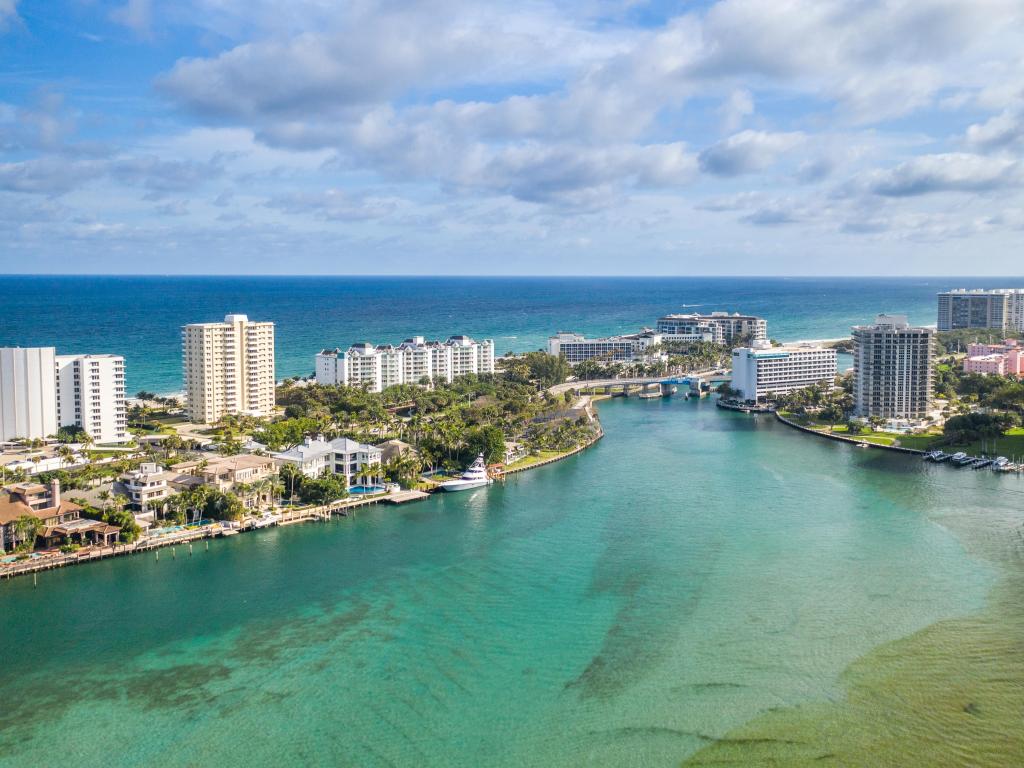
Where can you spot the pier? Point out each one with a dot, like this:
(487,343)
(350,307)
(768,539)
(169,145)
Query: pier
(187,536)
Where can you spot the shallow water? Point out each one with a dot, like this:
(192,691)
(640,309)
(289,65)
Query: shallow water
(695,573)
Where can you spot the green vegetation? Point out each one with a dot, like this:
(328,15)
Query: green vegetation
(537,367)
(205,502)
(308,490)
(682,356)
(448,424)
(955,342)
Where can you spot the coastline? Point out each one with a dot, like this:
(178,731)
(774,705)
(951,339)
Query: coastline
(833,436)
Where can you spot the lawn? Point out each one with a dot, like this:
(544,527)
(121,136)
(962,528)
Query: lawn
(529,461)
(1010,445)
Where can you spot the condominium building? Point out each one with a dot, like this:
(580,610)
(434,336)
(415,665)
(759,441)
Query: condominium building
(1006,359)
(762,371)
(342,456)
(228,368)
(413,361)
(576,348)
(90,395)
(893,368)
(717,327)
(1001,308)
(28,392)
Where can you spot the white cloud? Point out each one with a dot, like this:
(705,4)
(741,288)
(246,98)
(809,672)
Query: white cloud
(1002,131)
(951,172)
(747,152)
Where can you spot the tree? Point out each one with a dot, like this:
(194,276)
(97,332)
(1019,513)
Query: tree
(66,454)
(489,441)
(26,528)
(125,520)
(323,489)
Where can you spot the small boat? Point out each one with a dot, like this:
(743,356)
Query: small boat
(981,463)
(1000,463)
(475,476)
(940,456)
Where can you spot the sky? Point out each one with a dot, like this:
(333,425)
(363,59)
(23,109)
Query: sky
(737,137)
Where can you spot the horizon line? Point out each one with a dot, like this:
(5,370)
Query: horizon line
(497,276)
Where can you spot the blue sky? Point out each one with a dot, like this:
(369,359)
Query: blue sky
(453,137)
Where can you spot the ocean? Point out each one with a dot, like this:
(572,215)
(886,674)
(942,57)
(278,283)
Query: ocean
(140,317)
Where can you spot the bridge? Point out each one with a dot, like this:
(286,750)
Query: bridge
(652,386)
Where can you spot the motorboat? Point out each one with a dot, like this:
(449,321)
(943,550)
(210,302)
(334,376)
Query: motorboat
(959,457)
(1000,463)
(475,476)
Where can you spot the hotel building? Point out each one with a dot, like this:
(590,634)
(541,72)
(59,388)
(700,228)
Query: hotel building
(576,348)
(893,364)
(1001,308)
(1006,359)
(718,327)
(90,395)
(411,362)
(28,393)
(228,368)
(761,370)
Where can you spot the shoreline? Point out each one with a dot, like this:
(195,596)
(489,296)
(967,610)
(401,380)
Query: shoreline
(833,436)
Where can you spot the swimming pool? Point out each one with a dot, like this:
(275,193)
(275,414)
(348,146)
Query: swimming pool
(358,489)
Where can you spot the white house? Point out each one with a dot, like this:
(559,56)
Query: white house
(341,456)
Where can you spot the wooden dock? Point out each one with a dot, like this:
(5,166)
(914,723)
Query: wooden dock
(402,497)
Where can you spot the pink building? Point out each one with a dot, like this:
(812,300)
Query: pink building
(1006,359)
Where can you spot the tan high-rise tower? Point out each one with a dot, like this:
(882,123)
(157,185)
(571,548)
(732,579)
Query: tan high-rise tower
(229,368)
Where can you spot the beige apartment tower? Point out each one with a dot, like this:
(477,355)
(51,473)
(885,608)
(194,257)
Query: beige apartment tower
(229,368)
(893,368)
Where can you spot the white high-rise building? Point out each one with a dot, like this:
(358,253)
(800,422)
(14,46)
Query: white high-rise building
(718,327)
(576,348)
(90,394)
(763,370)
(892,369)
(411,362)
(28,393)
(229,368)
(1001,308)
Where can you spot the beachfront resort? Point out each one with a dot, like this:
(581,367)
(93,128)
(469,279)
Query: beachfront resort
(85,470)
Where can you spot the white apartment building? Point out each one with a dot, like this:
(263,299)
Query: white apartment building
(717,327)
(893,369)
(412,361)
(90,394)
(1001,308)
(28,392)
(339,457)
(228,368)
(576,348)
(762,370)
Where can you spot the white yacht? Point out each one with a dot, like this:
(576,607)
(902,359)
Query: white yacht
(474,477)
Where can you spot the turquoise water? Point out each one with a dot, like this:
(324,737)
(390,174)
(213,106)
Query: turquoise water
(140,317)
(692,571)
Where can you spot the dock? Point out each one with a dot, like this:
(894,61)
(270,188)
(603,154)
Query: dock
(403,497)
(185,537)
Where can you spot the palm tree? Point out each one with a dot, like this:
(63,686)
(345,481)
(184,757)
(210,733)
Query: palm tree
(105,498)
(66,455)
(26,528)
